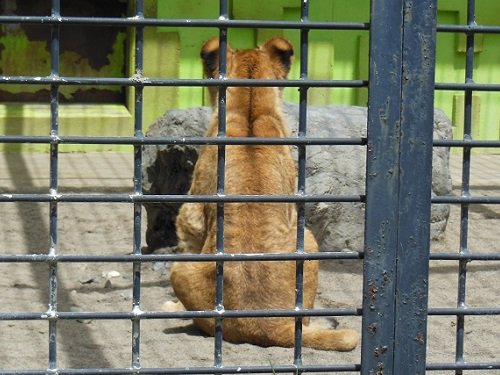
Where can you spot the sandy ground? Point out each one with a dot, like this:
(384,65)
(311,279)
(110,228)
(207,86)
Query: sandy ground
(106,228)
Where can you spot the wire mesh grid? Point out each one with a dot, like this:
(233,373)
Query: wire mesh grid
(138,22)
(466,199)
(138,81)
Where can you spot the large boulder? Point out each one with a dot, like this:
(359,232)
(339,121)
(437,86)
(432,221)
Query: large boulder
(167,169)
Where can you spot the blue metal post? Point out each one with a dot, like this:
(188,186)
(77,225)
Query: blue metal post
(382,185)
(400,124)
(415,181)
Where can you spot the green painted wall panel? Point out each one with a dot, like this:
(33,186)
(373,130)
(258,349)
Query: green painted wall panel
(74,119)
(451,68)
(174,52)
(161,59)
(344,54)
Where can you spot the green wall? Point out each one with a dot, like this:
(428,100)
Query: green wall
(174,52)
(332,55)
(344,54)
(451,68)
(90,119)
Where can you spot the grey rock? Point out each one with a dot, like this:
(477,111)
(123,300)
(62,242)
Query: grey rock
(167,169)
(330,170)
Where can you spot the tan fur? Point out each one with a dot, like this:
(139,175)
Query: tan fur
(250,227)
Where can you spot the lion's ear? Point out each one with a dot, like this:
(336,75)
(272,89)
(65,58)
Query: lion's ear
(210,57)
(280,51)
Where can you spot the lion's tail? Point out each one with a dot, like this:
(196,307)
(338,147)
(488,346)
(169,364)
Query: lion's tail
(342,340)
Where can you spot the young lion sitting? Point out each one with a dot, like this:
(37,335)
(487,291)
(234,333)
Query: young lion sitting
(250,227)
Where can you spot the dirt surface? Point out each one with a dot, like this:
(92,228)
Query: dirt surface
(106,228)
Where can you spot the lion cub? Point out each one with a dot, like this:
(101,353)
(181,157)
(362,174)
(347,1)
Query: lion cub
(250,227)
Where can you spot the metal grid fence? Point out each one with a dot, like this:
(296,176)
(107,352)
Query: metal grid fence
(465,255)
(401,67)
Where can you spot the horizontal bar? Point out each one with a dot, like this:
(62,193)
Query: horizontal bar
(467,86)
(466,143)
(176,82)
(361,141)
(225,23)
(491,256)
(476,29)
(257,313)
(440,311)
(271,369)
(61,258)
(465,199)
(233,198)
(463,366)
(169,22)
(229,82)
(134,198)
(137,314)
(324,255)
(183,140)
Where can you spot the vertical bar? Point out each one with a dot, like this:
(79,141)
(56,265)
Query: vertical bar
(54,155)
(464,208)
(382,187)
(415,165)
(301,184)
(221,168)
(136,291)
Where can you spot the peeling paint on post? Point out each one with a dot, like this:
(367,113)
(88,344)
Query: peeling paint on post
(398,187)
(382,187)
(415,200)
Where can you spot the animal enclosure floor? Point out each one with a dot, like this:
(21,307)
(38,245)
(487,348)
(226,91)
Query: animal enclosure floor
(106,228)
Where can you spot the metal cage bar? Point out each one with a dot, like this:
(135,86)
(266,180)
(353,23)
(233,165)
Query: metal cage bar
(415,186)
(464,213)
(221,170)
(187,82)
(398,191)
(53,206)
(301,185)
(185,22)
(138,133)
(380,238)
(464,255)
